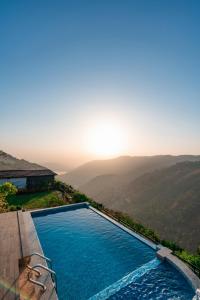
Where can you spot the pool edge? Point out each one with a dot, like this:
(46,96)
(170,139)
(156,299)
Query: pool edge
(37,212)
(31,244)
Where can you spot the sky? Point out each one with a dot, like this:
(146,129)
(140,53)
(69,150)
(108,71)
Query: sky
(88,79)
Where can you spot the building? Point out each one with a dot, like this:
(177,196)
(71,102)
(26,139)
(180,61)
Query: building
(29,180)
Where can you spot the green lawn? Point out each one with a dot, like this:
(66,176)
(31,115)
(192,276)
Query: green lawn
(36,200)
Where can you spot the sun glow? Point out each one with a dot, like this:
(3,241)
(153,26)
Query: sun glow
(105,138)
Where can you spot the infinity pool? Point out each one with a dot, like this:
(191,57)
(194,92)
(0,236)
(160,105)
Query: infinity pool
(94,258)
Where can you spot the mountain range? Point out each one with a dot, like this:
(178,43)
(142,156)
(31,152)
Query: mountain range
(162,192)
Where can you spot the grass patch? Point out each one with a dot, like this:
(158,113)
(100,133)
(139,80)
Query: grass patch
(36,200)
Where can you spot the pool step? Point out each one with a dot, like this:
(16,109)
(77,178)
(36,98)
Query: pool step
(126,280)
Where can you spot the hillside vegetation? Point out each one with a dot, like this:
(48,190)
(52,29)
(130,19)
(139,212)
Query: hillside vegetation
(167,199)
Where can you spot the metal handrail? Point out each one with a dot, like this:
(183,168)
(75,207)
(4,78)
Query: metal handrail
(44,257)
(30,268)
(48,270)
(37,282)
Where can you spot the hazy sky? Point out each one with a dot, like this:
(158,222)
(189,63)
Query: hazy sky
(67,67)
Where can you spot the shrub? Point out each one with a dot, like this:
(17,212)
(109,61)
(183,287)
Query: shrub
(54,201)
(95,204)
(8,189)
(12,208)
(79,197)
(188,257)
(63,187)
(171,245)
(3,204)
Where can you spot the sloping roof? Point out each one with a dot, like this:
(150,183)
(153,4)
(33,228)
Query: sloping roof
(12,167)
(25,173)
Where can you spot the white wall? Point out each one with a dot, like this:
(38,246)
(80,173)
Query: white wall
(20,183)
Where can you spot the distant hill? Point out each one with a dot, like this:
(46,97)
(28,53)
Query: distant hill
(9,162)
(162,192)
(129,166)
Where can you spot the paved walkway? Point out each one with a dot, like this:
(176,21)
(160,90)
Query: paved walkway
(10,253)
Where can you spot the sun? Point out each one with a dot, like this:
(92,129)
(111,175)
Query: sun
(105,138)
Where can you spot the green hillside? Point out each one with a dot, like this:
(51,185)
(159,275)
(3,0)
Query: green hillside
(167,200)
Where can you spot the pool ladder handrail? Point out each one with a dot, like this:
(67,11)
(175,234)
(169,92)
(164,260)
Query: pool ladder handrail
(54,278)
(30,268)
(37,282)
(44,257)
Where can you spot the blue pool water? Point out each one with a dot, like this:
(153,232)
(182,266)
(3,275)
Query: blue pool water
(90,254)
(162,283)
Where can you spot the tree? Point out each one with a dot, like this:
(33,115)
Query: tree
(7,189)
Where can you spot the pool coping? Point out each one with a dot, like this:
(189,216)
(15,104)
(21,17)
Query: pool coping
(166,254)
(30,244)
(162,252)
